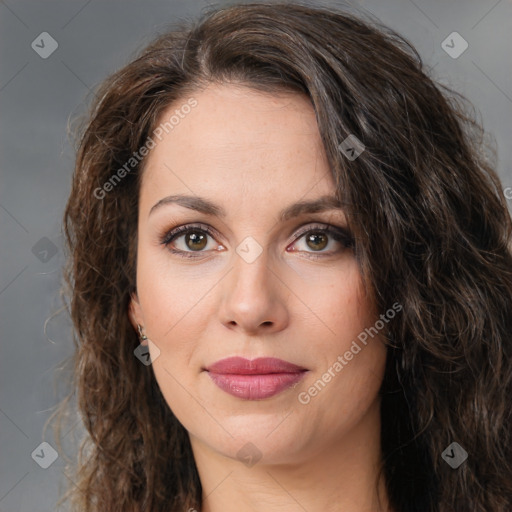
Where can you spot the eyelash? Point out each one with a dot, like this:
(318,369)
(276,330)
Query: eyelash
(338,234)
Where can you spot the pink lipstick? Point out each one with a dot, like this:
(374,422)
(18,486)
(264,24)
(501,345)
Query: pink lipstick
(255,379)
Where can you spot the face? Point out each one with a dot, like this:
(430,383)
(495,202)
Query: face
(240,278)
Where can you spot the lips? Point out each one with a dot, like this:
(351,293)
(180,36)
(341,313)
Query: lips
(255,379)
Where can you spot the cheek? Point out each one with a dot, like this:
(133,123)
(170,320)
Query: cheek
(174,299)
(348,351)
(349,360)
(339,403)
(336,302)
(176,309)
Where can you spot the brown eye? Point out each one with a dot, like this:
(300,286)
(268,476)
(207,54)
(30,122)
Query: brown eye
(317,241)
(196,241)
(320,241)
(190,241)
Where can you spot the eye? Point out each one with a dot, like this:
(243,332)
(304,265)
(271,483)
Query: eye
(192,241)
(314,239)
(189,239)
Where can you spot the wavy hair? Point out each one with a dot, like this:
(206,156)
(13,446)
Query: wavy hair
(432,232)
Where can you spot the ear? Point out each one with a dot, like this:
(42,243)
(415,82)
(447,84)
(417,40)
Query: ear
(135,312)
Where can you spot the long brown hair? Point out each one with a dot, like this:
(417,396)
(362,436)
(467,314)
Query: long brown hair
(432,232)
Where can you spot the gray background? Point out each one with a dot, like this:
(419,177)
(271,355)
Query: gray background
(39,97)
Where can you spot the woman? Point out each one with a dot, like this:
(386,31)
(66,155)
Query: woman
(290,278)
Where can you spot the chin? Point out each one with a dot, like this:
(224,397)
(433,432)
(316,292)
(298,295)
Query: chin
(271,438)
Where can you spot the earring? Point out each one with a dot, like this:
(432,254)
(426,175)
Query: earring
(142,336)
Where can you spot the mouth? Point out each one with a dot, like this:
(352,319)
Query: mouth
(255,379)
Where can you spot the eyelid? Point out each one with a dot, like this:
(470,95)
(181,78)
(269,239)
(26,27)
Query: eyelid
(323,227)
(171,234)
(341,235)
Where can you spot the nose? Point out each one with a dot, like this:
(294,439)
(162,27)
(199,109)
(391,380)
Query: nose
(254,298)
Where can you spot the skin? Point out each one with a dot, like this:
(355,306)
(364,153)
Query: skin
(253,154)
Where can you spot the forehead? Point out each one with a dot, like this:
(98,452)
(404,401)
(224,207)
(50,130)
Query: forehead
(234,137)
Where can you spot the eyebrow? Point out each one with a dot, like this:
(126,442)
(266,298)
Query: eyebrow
(200,204)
